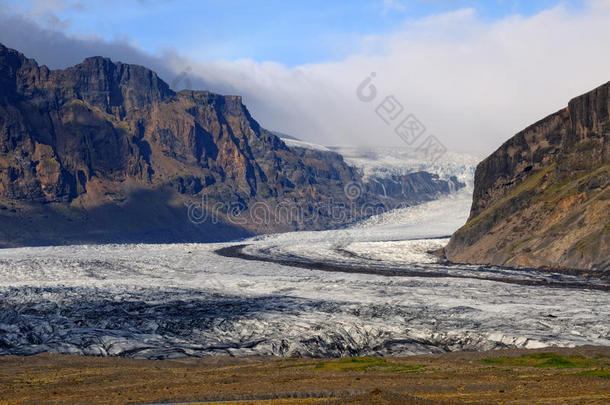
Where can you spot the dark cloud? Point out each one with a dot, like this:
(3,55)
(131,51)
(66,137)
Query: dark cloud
(57,50)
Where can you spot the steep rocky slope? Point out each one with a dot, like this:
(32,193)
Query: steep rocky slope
(106,151)
(543,198)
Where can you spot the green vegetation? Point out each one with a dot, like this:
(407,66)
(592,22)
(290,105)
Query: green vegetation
(50,165)
(508,204)
(543,360)
(515,246)
(569,186)
(366,364)
(598,372)
(591,242)
(122,125)
(529,192)
(74,102)
(586,145)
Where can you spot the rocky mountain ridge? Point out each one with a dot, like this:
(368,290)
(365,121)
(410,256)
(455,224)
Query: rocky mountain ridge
(543,198)
(105,152)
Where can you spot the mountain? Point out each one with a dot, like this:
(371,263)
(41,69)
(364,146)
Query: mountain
(107,152)
(543,198)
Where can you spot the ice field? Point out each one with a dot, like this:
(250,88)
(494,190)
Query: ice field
(165,301)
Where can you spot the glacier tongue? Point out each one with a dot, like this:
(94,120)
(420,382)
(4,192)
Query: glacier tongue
(380,162)
(168,301)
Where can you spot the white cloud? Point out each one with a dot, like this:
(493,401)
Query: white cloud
(474,83)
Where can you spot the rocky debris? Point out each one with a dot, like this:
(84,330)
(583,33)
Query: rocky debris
(543,198)
(177,323)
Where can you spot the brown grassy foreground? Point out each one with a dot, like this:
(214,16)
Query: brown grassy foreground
(550,376)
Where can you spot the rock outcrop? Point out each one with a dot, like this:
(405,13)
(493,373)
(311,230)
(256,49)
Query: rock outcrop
(543,198)
(105,151)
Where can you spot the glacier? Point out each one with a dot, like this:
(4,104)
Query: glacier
(170,301)
(372,288)
(385,161)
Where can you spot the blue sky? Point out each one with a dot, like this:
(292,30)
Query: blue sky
(474,72)
(288,32)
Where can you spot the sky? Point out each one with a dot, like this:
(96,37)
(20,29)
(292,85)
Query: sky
(472,72)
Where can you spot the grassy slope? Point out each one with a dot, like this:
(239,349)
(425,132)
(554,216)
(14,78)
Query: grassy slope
(541,221)
(578,375)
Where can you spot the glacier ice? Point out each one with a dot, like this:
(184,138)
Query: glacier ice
(168,301)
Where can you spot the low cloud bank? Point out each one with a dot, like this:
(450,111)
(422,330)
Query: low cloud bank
(472,83)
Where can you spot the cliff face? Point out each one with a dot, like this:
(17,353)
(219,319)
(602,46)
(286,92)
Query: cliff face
(105,151)
(543,198)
